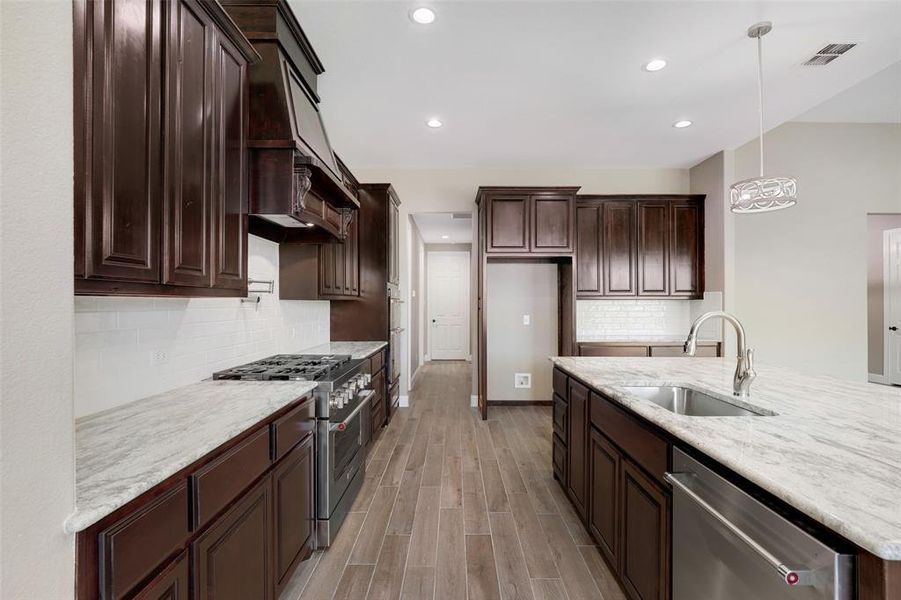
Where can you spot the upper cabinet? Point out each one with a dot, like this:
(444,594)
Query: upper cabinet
(640,246)
(522,221)
(160,145)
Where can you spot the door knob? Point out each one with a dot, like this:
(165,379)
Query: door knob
(435,321)
(893,328)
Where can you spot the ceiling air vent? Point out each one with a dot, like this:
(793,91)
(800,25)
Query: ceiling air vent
(827,54)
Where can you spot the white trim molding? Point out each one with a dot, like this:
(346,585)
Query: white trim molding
(473,401)
(874,378)
(403,401)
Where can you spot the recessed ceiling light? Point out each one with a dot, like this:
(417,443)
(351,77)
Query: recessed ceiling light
(444,237)
(682,124)
(434,123)
(423,15)
(655,65)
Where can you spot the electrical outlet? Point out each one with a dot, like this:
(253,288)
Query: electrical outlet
(159,357)
(527,319)
(522,380)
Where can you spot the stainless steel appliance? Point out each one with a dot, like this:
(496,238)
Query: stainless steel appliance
(342,397)
(394,333)
(728,545)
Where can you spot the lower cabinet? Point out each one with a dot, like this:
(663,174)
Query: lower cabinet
(644,563)
(603,521)
(292,494)
(171,584)
(233,558)
(577,446)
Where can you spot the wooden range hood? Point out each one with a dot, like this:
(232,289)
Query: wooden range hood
(297,192)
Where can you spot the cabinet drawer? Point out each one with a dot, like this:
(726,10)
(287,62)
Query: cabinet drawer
(560,408)
(215,485)
(377,415)
(376,362)
(559,460)
(293,427)
(132,548)
(171,584)
(709,350)
(632,436)
(560,383)
(589,349)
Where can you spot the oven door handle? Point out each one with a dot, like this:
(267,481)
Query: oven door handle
(343,424)
(792,577)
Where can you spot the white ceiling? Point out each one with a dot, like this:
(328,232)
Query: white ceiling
(874,100)
(434,226)
(521,84)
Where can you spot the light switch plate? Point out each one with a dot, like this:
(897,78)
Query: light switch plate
(159,357)
(527,319)
(522,380)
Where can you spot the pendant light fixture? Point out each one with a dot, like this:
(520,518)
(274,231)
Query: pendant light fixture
(762,194)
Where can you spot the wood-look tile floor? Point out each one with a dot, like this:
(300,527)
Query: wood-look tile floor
(456,507)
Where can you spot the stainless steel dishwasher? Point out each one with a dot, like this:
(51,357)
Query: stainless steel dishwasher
(729,546)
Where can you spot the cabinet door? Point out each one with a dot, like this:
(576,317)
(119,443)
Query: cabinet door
(644,556)
(507,225)
(230,157)
(327,269)
(686,249)
(551,218)
(352,257)
(232,559)
(119,62)
(577,446)
(653,248)
(292,491)
(189,146)
(588,250)
(603,512)
(171,584)
(618,248)
(393,241)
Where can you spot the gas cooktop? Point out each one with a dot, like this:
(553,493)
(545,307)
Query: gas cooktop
(284,367)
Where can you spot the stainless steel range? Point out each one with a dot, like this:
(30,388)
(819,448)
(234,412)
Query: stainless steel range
(342,397)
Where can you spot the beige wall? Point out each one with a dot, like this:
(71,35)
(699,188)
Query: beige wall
(876,224)
(417,302)
(36,301)
(454,190)
(514,290)
(801,273)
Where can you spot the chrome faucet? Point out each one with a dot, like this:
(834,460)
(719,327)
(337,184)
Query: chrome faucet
(744,370)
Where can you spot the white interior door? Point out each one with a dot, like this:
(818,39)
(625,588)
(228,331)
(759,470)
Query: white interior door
(448,305)
(892,239)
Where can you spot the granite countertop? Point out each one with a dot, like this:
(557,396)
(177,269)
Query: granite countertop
(833,451)
(355,349)
(122,452)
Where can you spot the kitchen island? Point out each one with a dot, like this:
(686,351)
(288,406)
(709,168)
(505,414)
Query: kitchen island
(831,450)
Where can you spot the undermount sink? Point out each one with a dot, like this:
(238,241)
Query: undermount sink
(692,403)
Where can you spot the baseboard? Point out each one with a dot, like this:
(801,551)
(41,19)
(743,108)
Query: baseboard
(473,401)
(426,358)
(520,403)
(403,401)
(874,378)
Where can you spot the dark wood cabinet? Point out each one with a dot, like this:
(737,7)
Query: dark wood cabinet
(172,584)
(618,248)
(233,558)
(687,248)
(230,525)
(294,516)
(339,265)
(393,238)
(642,349)
(639,246)
(644,558)
(653,248)
(524,221)
(577,446)
(160,127)
(604,469)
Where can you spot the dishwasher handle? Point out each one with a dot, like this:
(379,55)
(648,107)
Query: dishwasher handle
(792,577)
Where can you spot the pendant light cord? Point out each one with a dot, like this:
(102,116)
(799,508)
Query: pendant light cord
(760,95)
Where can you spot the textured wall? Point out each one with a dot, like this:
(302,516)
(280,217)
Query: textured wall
(36,434)
(116,337)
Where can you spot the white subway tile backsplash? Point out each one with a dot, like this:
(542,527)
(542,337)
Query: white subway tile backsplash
(599,320)
(117,337)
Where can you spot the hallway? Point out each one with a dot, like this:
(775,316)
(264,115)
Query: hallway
(454,507)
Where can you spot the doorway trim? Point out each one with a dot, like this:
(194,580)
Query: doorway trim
(887,352)
(467,309)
